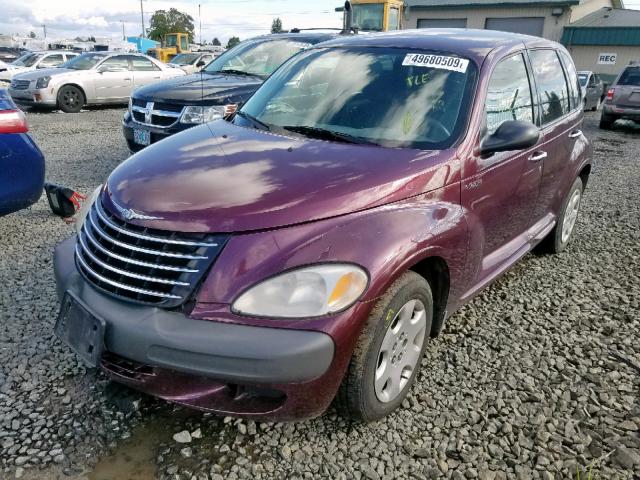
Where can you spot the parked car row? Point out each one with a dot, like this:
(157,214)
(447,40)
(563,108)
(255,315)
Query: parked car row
(305,248)
(34,60)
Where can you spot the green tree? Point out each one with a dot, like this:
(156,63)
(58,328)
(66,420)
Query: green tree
(32,35)
(216,42)
(172,21)
(233,41)
(276,26)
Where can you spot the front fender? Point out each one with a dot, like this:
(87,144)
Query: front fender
(386,241)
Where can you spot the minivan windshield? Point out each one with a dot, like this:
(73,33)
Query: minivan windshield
(26,60)
(384,96)
(84,62)
(630,77)
(256,57)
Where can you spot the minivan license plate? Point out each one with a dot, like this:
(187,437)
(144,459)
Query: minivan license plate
(142,137)
(82,331)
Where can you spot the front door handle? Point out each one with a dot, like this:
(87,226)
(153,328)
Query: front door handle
(536,157)
(575,134)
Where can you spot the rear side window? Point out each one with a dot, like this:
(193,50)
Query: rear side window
(575,92)
(552,85)
(509,94)
(52,61)
(631,77)
(141,64)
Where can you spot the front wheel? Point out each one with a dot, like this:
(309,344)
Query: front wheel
(70,99)
(561,235)
(389,351)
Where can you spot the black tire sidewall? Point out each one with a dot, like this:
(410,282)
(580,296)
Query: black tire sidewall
(415,288)
(66,109)
(559,244)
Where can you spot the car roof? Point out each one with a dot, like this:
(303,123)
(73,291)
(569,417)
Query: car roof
(470,43)
(302,36)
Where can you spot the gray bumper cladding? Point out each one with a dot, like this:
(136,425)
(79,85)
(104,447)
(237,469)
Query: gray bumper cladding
(229,352)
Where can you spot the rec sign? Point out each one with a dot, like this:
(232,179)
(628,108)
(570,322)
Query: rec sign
(607,58)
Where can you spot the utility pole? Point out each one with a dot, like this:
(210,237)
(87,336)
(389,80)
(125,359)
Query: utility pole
(124,35)
(44,27)
(142,18)
(200,16)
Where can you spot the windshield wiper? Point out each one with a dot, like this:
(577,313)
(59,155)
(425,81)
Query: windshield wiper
(254,120)
(323,134)
(237,72)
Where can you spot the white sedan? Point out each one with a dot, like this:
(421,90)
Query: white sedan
(33,61)
(90,79)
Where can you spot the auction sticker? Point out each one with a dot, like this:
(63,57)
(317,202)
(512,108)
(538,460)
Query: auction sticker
(436,61)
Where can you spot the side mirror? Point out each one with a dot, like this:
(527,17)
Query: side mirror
(201,63)
(511,135)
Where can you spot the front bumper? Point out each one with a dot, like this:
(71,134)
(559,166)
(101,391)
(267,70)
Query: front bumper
(204,364)
(45,97)
(621,112)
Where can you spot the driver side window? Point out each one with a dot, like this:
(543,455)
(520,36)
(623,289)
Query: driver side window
(509,94)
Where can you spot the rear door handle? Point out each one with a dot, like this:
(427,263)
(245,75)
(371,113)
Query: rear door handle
(536,157)
(575,134)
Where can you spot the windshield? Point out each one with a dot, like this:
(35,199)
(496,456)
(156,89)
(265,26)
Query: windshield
(83,62)
(582,78)
(369,16)
(631,77)
(26,60)
(390,97)
(184,59)
(258,57)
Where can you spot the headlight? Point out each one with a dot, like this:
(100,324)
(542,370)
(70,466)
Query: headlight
(43,82)
(197,115)
(305,292)
(84,211)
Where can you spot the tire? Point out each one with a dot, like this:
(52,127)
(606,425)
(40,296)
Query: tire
(561,235)
(70,99)
(360,397)
(606,121)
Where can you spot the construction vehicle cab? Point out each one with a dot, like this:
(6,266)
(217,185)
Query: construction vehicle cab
(377,15)
(172,45)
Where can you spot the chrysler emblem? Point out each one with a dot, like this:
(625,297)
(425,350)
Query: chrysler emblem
(131,214)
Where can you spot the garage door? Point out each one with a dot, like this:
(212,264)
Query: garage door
(526,25)
(442,23)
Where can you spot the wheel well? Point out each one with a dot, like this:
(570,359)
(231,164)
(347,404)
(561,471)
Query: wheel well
(435,271)
(584,175)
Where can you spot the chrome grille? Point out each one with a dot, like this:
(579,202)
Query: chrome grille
(140,264)
(20,84)
(160,115)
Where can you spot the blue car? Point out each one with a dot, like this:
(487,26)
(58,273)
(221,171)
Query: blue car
(21,161)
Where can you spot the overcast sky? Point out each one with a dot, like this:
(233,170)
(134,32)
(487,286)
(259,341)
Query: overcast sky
(220,18)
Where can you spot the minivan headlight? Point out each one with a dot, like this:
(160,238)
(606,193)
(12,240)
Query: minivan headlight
(197,115)
(86,207)
(43,82)
(304,292)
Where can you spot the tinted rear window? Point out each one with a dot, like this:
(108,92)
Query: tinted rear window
(631,77)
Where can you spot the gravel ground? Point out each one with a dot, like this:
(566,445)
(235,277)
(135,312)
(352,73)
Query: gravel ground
(539,377)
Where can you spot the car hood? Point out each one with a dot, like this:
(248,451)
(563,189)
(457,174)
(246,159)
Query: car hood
(199,88)
(42,72)
(224,178)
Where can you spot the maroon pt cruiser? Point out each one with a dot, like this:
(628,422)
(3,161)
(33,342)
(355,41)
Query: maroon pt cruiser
(309,248)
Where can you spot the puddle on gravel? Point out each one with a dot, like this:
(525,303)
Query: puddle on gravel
(133,458)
